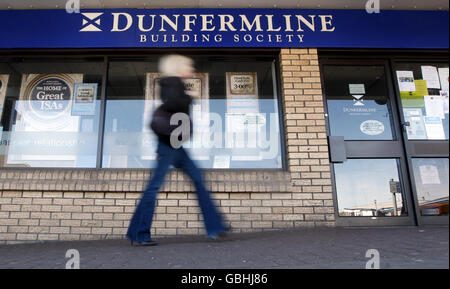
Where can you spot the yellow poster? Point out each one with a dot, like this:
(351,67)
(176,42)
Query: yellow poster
(415,98)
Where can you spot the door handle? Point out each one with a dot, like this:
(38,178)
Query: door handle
(338,151)
(405,124)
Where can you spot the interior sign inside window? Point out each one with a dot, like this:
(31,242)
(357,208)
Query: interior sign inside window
(46,100)
(84,99)
(50,95)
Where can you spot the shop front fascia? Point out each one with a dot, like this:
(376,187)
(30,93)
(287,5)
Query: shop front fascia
(93,196)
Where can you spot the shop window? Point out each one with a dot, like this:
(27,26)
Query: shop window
(235,113)
(50,112)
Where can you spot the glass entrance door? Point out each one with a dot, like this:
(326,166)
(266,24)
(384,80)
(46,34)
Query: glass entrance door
(366,147)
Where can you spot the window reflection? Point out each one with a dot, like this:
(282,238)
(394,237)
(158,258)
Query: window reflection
(50,112)
(234,113)
(364,188)
(431,178)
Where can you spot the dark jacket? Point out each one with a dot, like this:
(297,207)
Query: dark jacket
(174,100)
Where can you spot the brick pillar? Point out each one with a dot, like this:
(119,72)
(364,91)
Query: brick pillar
(307,147)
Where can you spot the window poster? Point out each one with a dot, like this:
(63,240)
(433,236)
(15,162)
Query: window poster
(443,77)
(372,127)
(84,99)
(242,100)
(430,74)
(416,128)
(434,127)
(243,118)
(242,83)
(429,175)
(152,100)
(3,85)
(415,98)
(444,95)
(357,88)
(46,100)
(434,105)
(194,87)
(242,92)
(421,87)
(198,88)
(406,81)
(44,120)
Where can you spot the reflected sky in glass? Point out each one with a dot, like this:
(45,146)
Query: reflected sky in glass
(363,184)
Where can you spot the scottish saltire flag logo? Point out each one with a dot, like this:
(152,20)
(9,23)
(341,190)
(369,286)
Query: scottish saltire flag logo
(91,22)
(358,101)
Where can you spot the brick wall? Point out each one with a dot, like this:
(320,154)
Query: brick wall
(97,204)
(307,144)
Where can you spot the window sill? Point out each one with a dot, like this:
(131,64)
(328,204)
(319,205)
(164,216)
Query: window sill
(134,180)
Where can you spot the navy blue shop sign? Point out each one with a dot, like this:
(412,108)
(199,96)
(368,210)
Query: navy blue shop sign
(139,28)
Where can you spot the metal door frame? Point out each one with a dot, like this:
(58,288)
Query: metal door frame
(378,149)
(440,148)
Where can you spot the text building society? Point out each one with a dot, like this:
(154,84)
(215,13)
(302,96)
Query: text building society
(222,23)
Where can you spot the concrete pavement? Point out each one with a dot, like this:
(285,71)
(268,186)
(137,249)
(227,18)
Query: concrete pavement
(398,247)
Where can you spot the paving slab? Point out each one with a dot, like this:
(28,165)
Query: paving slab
(316,248)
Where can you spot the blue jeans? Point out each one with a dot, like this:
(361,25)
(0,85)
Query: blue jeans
(141,222)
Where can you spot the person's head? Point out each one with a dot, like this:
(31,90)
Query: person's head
(176,65)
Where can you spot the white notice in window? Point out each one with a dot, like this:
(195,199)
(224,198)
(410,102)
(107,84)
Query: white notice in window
(443,76)
(221,162)
(406,81)
(357,88)
(430,74)
(434,105)
(444,95)
(434,127)
(416,128)
(429,175)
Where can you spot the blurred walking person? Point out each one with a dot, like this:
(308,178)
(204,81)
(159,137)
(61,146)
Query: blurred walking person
(175,102)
